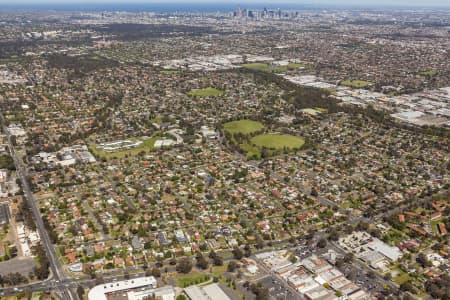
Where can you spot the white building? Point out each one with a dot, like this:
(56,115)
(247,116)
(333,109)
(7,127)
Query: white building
(101,291)
(164,143)
(18,132)
(209,292)
(163,293)
(208,133)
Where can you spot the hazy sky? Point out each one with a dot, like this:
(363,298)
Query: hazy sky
(273,2)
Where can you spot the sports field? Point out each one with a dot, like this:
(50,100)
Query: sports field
(356,83)
(207,92)
(429,73)
(242,126)
(271,68)
(169,72)
(278,141)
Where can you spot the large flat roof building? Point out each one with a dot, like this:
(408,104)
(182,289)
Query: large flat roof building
(107,290)
(209,292)
(162,293)
(4,213)
(392,253)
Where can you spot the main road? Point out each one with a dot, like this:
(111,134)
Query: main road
(57,271)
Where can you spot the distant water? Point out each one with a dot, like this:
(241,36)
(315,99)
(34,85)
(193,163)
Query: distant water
(148,7)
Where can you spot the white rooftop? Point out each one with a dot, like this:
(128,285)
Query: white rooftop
(98,292)
(393,253)
(209,292)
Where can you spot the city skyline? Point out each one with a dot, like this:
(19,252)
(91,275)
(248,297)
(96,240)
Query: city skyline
(333,3)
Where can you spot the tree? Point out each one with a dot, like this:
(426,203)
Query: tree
(408,287)
(423,260)
(322,243)
(348,257)
(156,272)
(212,254)
(333,235)
(203,247)
(99,279)
(259,242)
(147,245)
(184,266)
(202,263)
(388,276)
(232,266)
(351,275)
(371,274)
(362,226)
(181,297)
(260,292)
(237,253)
(339,263)
(41,272)
(14,278)
(80,291)
(218,261)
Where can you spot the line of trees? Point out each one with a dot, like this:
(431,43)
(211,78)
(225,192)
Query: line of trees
(12,279)
(42,270)
(6,162)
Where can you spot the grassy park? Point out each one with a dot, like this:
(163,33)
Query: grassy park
(357,84)
(272,68)
(206,92)
(263,144)
(278,141)
(400,276)
(429,73)
(169,72)
(251,152)
(243,126)
(185,280)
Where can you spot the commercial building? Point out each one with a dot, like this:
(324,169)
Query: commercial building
(162,293)
(209,292)
(391,253)
(4,213)
(126,290)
